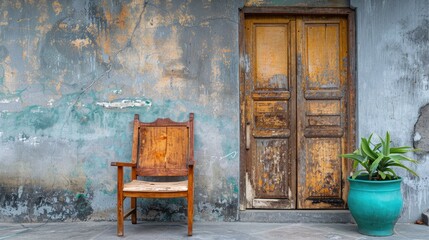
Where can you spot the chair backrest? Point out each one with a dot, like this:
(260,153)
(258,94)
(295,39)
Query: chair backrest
(162,147)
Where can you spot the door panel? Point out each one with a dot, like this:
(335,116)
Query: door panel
(270,47)
(295,91)
(270,108)
(322,111)
(270,168)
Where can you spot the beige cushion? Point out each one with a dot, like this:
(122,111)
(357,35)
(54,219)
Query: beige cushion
(145,186)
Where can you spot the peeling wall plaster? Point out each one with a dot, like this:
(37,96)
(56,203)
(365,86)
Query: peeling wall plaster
(125,103)
(421,130)
(73,74)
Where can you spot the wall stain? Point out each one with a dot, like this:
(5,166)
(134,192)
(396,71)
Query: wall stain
(96,15)
(412,75)
(57,7)
(420,35)
(421,131)
(70,54)
(27,203)
(167,210)
(82,206)
(4,53)
(36,117)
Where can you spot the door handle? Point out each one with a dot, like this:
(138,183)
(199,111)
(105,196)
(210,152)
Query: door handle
(247,135)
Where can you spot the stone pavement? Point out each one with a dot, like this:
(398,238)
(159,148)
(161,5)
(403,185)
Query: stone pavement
(202,230)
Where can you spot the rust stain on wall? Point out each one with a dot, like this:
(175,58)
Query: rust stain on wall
(122,18)
(57,7)
(9,75)
(254,2)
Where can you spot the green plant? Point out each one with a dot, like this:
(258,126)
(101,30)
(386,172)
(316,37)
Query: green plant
(378,160)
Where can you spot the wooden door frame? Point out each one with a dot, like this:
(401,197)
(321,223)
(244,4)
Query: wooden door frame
(351,68)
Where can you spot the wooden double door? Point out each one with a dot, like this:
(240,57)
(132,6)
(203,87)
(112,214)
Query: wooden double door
(297,111)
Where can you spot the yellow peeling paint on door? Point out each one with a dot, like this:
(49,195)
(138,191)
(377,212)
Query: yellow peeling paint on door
(296,107)
(270,108)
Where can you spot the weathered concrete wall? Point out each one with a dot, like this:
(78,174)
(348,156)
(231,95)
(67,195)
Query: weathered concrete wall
(73,73)
(393,83)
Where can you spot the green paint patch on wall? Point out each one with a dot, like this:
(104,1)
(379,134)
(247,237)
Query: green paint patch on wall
(35,117)
(231,181)
(86,114)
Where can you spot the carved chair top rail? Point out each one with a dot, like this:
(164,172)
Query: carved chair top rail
(164,122)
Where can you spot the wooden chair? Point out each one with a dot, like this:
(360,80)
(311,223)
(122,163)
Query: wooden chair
(161,148)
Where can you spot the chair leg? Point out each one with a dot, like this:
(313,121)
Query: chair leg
(120,216)
(134,207)
(190,214)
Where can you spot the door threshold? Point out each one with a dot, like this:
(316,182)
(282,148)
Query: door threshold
(296,216)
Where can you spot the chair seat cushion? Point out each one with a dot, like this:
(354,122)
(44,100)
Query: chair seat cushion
(146,186)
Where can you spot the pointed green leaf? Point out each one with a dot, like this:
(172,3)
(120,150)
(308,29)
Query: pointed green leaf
(383,144)
(355,164)
(403,149)
(367,149)
(353,156)
(374,164)
(398,164)
(386,148)
(366,164)
(390,170)
(401,157)
(355,174)
(381,173)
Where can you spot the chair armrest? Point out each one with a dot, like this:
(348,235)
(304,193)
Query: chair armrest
(123,164)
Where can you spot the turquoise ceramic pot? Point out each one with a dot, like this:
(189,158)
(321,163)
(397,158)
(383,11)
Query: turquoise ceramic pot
(375,205)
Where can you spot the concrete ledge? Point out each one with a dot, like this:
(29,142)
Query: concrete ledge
(296,216)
